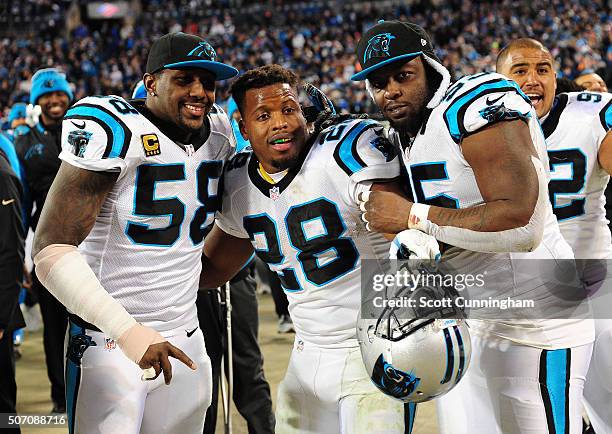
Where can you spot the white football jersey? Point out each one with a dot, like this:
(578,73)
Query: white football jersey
(574,130)
(440,175)
(307,227)
(146,244)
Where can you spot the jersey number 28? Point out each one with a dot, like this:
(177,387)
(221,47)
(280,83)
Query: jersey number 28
(320,213)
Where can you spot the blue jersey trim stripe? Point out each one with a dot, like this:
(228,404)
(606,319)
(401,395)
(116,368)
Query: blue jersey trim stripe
(409,416)
(456,109)
(346,151)
(121,134)
(73,380)
(450,357)
(461,354)
(554,385)
(105,127)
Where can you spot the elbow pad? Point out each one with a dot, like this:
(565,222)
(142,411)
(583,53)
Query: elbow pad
(522,239)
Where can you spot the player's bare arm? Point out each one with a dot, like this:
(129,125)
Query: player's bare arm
(605,153)
(500,156)
(75,200)
(224,255)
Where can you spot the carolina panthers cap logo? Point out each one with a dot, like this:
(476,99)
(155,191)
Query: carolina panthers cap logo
(181,50)
(204,49)
(389,41)
(378,46)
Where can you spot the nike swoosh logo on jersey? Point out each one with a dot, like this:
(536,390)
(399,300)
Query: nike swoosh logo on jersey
(189,333)
(79,126)
(493,101)
(7,201)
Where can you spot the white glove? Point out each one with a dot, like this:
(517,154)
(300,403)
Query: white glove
(32,114)
(414,244)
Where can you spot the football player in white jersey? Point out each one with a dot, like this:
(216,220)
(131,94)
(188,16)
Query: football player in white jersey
(577,130)
(294,201)
(137,185)
(477,167)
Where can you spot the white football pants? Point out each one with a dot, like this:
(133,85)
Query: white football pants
(516,389)
(327,391)
(105,393)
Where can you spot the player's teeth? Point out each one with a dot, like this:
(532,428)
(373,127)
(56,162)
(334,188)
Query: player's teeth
(281,141)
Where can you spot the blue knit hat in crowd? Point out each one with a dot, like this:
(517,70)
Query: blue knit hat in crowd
(18,111)
(46,81)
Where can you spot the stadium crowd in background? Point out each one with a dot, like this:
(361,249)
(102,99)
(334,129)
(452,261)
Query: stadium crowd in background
(316,38)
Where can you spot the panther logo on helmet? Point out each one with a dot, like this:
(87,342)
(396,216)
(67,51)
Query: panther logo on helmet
(394,382)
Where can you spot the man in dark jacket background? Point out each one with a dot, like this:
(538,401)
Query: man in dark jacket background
(11,273)
(38,151)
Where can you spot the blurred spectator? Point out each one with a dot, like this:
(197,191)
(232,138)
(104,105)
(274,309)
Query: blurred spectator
(17,120)
(315,38)
(38,151)
(591,81)
(11,269)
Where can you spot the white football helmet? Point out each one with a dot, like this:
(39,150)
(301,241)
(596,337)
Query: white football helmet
(414,360)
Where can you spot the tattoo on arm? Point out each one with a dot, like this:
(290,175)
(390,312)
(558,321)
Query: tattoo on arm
(72,205)
(468,218)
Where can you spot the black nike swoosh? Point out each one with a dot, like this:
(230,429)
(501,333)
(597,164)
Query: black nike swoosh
(79,126)
(490,102)
(189,333)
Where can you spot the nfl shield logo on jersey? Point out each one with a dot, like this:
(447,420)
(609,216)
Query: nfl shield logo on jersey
(109,344)
(274,193)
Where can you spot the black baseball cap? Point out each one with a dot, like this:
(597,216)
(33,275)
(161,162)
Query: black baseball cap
(180,50)
(390,41)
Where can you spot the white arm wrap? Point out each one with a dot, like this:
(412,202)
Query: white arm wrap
(66,274)
(523,239)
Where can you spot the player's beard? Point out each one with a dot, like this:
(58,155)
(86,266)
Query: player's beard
(412,121)
(189,126)
(286,163)
(293,160)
